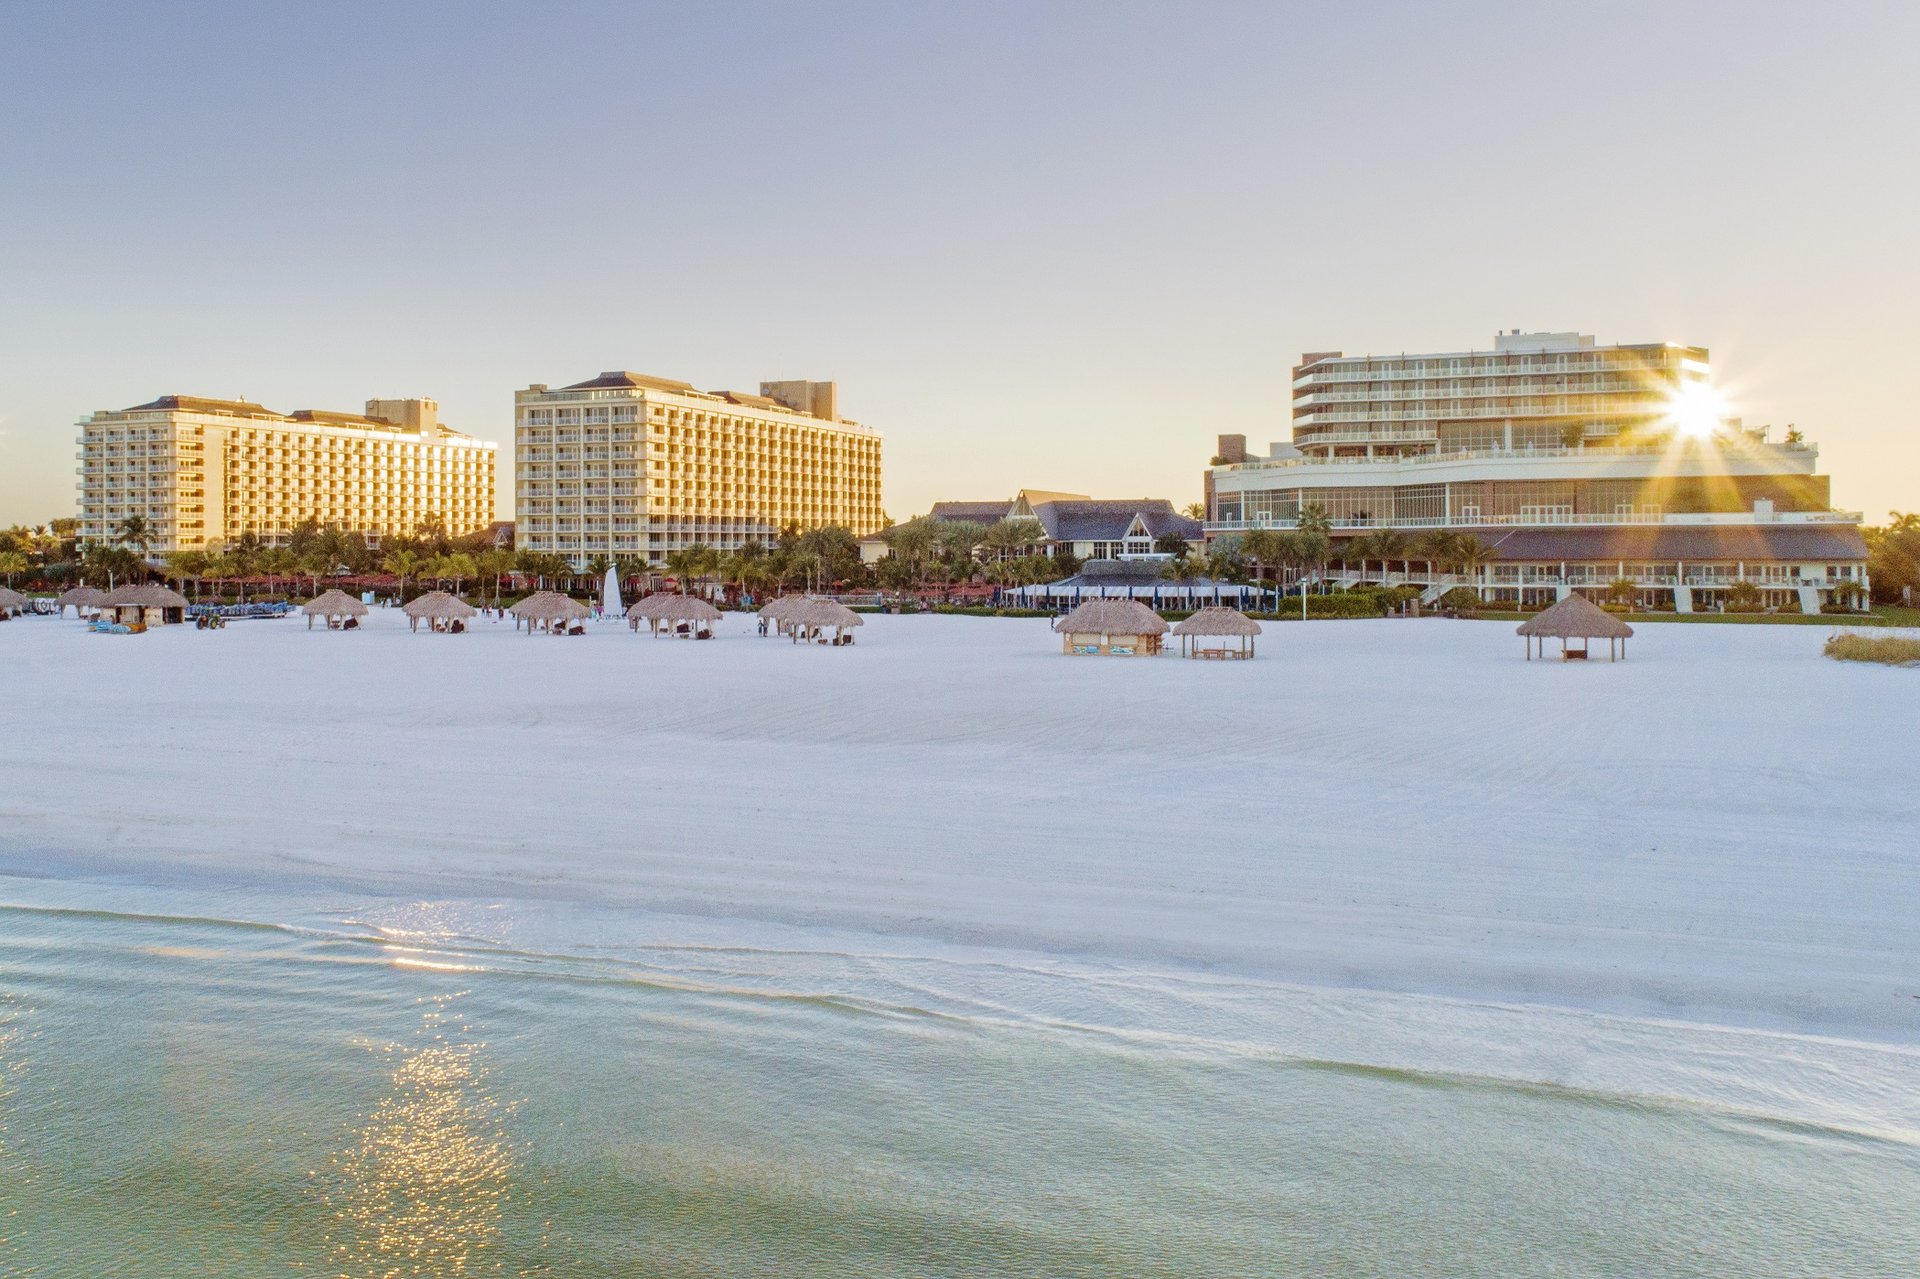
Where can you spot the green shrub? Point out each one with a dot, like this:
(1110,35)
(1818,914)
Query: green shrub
(1461,598)
(987,610)
(1890,650)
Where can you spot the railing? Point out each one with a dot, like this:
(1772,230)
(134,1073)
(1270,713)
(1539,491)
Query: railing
(1594,452)
(1595,520)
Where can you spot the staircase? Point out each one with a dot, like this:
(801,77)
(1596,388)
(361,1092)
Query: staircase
(1809,599)
(1683,599)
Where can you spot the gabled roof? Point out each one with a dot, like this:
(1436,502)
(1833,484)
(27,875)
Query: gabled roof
(619,378)
(1108,521)
(978,512)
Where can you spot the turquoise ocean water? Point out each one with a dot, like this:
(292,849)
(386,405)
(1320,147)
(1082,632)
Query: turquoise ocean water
(202,1082)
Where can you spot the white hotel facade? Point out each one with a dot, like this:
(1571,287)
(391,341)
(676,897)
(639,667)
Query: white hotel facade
(631,466)
(1578,463)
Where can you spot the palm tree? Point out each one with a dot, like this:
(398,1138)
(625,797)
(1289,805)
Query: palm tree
(136,532)
(496,563)
(276,561)
(1436,548)
(404,564)
(11,563)
(1473,555)
(456,568)
(1390,544)
(186,566)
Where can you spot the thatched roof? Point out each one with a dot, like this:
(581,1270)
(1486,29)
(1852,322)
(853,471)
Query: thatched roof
(1112,617)
(675,608)
(146,595)
(334,603)
(81,596)
(1218,621)
(1575,617)
(779,609)
(438,606)
(550,606)
(826,613)
(10,598)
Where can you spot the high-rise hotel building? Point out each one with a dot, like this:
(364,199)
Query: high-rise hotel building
(1580,464)
(204,472)
(633,467)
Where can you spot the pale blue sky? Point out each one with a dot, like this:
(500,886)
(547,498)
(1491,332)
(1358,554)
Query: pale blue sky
(1059,246)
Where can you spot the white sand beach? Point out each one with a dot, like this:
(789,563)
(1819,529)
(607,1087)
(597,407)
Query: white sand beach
(1721,828)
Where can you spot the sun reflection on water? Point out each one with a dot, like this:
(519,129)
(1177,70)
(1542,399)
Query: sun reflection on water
(424,1184)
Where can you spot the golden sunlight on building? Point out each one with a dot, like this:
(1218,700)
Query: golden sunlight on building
(631,466)
(203,472)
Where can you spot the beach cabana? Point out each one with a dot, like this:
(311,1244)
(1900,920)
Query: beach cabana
(440,611)
(1575,618)
(551,611)
(1111,628)
(681,615)
(1217,633)
(779,613)
(81,599)
(811,621)
(148,604)
(12,602)
(336,608)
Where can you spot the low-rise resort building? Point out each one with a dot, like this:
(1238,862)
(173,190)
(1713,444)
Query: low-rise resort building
(1086,528)
(1577,466)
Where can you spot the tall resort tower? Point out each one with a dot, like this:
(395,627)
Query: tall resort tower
(633,467)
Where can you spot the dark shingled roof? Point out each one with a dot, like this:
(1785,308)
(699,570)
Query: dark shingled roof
(199,404)
(981,512)
(618,378)
(1680,542)
(1107,521)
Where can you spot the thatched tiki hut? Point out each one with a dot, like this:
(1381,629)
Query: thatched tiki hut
(1117,628)
(1231,630)
(1575,618)
(81,599)
(550,611)
(778,614)
(336,607)
(146,605)
(12,602)
(440,611)
(681,615)
(809,622)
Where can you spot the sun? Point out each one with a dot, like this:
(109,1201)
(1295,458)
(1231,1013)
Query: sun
(1696,410)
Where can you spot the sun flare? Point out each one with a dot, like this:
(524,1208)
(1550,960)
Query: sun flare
(1696,410)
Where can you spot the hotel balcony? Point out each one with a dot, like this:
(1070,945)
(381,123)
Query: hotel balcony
(1553,520)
